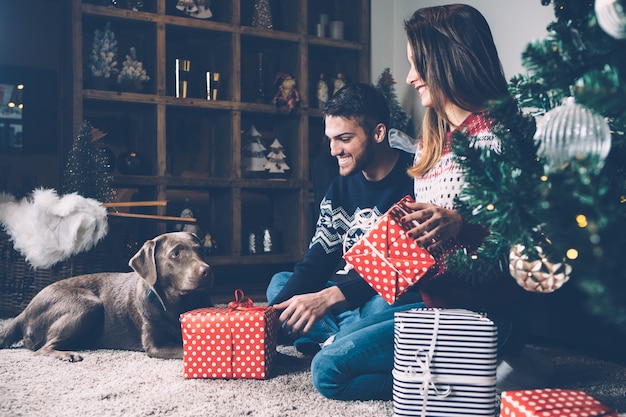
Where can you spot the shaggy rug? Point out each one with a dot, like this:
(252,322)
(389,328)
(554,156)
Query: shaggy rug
(119,383)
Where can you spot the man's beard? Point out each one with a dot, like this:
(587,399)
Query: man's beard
(363,159)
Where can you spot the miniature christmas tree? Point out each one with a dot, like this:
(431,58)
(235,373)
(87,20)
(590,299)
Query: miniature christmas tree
(133,73)
(399,118)
(276,164)
(253,161)
(103,57)
(87,171)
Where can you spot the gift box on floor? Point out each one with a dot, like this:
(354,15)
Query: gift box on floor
(387,258)
(444,363)
(552,402)
(238,341)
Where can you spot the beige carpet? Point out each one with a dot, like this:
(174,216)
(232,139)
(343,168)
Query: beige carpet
(119,383)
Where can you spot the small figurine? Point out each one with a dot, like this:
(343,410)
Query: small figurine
(188,227)
(287,94)
(339,82)
(322,91)
(209,244)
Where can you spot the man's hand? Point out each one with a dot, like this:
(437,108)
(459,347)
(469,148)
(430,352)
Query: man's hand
(300,312)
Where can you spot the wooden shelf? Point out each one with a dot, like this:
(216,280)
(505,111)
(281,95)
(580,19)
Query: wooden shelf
(191,148)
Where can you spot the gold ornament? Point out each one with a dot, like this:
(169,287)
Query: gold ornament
(539,275)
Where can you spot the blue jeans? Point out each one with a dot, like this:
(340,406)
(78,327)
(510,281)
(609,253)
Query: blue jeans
(369,352)
(357,365)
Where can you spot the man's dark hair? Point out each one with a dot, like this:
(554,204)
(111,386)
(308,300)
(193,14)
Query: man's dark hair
(362,102)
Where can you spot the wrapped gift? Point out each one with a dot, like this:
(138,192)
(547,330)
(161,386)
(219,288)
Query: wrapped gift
(444,363)
(552,402)
(238,341)
(387,258)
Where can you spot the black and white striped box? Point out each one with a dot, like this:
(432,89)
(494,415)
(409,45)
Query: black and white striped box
(444,363)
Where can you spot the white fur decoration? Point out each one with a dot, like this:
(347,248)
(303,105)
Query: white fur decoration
(47,229)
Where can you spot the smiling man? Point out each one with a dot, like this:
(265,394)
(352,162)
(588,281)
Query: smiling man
(319,299)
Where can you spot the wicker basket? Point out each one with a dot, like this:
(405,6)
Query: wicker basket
(19,282)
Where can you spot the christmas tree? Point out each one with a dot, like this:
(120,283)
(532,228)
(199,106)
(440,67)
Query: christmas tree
(399,118)
(553,200)
(87,171)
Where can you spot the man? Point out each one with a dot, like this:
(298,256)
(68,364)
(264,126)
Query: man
(318,299)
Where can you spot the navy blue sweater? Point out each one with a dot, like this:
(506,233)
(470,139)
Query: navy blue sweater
(346,197)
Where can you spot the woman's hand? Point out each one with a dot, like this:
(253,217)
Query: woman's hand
(436,225)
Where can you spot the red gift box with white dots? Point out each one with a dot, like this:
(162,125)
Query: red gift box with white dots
(387,258)
(222,342)
(552,402)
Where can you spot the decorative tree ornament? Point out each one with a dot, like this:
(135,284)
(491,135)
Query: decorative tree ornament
(539,275)
(572,131)
(253,161)
(103,56)
(133,74)
(611,17)
(262,17)
(276,166)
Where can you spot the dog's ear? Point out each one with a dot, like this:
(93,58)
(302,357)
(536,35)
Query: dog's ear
(144,264)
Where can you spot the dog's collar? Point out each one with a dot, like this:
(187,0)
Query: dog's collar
(154,298)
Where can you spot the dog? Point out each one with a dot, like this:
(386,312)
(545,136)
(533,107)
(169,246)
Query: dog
(136,310)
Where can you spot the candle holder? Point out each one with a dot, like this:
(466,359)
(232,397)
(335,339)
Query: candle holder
(183,71)
(212,85)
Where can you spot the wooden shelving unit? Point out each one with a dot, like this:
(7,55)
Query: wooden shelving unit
(189,150)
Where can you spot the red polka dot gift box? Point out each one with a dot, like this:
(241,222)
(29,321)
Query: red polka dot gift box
(552,402)
(388,259)
(238,341)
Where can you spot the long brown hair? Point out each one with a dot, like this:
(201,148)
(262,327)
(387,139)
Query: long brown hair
(454,53)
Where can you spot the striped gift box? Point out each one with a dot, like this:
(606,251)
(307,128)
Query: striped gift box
(444,363)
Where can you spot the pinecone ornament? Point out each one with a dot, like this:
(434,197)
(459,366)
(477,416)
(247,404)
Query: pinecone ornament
(538,275)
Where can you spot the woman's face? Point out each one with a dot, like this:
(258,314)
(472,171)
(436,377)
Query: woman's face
(413,78)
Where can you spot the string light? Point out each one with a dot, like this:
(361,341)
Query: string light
(571,254)
(581,220)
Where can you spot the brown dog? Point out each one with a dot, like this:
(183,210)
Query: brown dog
(132,311)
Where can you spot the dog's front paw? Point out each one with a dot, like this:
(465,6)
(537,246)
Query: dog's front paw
(60,354)
(173,352)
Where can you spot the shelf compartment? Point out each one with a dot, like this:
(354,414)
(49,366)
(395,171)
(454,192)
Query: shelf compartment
(346,11)
(331,61)
(221,11)
(285,15)
(138,34)
(261,61)
(206,52)
(130,128)
(284,129)
(213,209)
(195,138)
(268,211)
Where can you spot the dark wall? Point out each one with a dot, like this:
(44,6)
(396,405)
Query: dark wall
(33,35)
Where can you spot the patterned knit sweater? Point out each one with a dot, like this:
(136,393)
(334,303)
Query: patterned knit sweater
(337,230)
(440,186)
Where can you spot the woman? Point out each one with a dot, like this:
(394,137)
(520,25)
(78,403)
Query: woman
(455,69)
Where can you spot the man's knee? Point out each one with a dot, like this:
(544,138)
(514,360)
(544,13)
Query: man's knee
(321,376)
(276,284)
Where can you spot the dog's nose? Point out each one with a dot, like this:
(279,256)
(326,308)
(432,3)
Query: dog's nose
(207,274)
